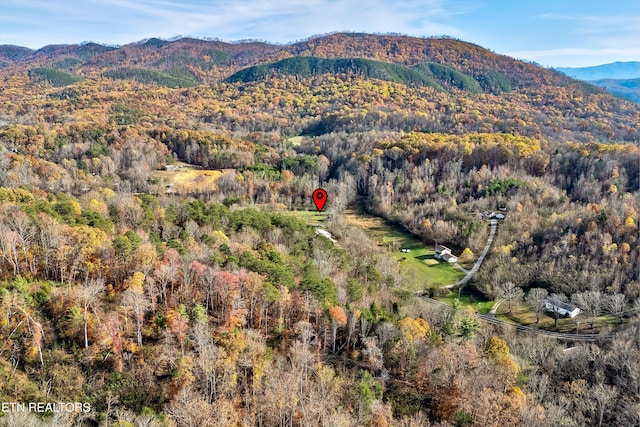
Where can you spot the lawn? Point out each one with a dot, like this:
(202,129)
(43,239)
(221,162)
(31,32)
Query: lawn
(523,315)
(482,307)
(420,261)
(312,217)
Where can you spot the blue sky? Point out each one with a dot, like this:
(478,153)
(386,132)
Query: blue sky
(550,32)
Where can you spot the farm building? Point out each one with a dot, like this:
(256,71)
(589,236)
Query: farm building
(444,253)
(562,308)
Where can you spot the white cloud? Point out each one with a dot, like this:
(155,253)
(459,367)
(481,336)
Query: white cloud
(607,38)
(123,21)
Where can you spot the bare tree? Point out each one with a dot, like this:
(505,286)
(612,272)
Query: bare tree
(510,292)
(604,395)
(9,242)
(326,261)
(25,231)
(138,302)
(616,305)
(590,302)
(536,300)
(49,240)
(88,295)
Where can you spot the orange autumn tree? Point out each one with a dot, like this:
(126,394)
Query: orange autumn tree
(178,322)
(338,318)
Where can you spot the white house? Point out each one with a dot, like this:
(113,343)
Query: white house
(562,308)
(444,253)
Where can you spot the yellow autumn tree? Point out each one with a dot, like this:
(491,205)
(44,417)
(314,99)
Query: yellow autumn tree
(497,350)
(412,331)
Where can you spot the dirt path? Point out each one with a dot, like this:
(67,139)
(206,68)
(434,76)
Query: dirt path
(469,273)
(494,309)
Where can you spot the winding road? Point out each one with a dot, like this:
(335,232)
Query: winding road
(469,273)
(490,318)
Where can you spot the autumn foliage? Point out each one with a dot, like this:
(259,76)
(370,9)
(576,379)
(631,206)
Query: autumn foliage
(153,261)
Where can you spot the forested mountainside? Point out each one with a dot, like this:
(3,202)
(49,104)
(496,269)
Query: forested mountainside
(157,260)
(625,88)
(618,78)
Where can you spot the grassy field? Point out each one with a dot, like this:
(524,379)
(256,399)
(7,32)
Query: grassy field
(188,178)
(312,217)
(521,313)
(420,262)
(482,307)
(427,270)
(295,140)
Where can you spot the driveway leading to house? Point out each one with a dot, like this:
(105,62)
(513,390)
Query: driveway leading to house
(469,273)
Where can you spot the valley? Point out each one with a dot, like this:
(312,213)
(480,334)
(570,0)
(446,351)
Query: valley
(162,259)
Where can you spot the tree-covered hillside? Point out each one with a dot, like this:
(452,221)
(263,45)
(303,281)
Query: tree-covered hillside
(160,263)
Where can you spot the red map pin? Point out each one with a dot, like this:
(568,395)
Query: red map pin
(319,198)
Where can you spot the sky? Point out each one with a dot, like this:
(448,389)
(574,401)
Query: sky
(558,33)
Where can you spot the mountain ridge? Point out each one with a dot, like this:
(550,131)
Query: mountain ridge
(214,60)
(613,70)
(625,88)
(475,89)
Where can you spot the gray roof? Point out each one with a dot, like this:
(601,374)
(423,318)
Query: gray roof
(447,257)
(560,304)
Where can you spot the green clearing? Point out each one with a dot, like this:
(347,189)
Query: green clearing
(311,217)
(468,301)
(295,140)
(522,314)
(421,260)
(419,263)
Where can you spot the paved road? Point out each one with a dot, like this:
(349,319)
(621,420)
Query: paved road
(489,318)
(469,273)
